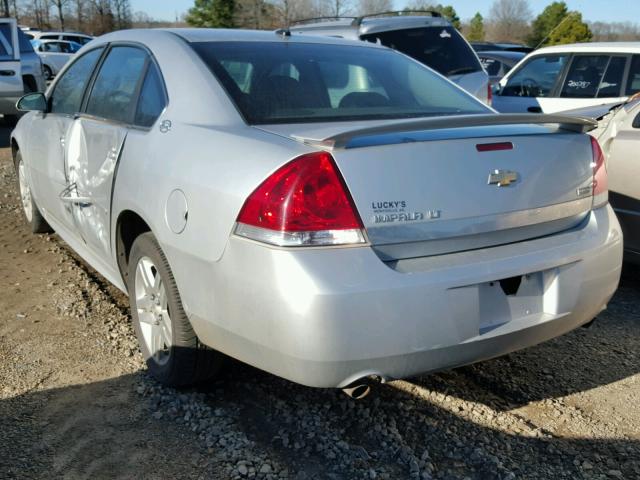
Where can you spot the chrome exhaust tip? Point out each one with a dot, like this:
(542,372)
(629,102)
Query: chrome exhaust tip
(362,386)
(357,392)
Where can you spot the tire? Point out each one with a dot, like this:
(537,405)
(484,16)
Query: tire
(48,74)
(32,214)
(173,353)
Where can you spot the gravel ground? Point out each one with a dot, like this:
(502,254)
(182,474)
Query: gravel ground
(75,401)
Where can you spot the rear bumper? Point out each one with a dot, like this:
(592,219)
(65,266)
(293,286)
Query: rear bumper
(327,317)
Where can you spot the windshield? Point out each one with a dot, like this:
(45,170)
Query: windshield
(441,48)
(277,82)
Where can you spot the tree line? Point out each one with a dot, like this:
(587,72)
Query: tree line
(508,20)
(90,16)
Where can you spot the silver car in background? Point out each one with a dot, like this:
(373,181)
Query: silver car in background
(328,211)
(20,69)
(54,55)
(423,35)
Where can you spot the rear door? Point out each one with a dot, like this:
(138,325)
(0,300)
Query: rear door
(96,140)
(591,79)
(10,69)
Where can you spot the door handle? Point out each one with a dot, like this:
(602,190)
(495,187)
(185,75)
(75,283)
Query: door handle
(66,196)
(7,73)
(534,110)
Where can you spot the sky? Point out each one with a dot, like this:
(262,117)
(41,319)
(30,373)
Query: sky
(592,10)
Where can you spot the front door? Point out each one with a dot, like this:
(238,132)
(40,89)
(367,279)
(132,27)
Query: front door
(10,68)
(49,138)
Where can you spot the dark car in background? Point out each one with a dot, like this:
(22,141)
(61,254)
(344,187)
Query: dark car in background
(498,63)
(505,47)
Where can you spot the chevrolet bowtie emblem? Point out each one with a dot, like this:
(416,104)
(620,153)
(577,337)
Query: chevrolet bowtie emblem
(502,178)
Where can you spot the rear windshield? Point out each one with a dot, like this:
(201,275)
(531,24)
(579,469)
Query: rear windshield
(441,48)
(277,82)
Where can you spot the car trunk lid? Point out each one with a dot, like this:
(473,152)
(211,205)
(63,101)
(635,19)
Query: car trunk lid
(435,186)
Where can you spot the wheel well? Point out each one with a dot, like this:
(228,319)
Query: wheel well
(14,148)
(130,225)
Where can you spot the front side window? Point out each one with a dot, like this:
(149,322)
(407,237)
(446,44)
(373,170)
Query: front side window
(633,80)
(297,82)
(52,47)
(441,48)
(536,78)
(113,94)
(67,96)
(152,98)
(584,76)
(6,42)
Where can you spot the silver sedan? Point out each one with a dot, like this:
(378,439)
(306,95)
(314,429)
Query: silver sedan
(329,212)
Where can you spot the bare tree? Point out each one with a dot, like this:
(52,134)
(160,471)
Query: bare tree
(509,20)
(334,8)
(366,7)
(60,6)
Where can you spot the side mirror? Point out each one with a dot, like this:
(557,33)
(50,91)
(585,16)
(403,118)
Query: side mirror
(32,102)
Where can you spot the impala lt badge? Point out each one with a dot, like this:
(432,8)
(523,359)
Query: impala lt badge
(502,178)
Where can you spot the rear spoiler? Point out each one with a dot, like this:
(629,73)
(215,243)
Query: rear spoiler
(346,139)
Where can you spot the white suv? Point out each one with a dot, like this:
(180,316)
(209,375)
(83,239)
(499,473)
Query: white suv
(567,77)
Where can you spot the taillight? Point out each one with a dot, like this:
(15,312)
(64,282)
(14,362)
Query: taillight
(305,202)
(489,94)
(600,184)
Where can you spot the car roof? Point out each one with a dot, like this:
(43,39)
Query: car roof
(502,54)
(595,47)
(224,35)
(376,24)
(38,32)
(53,40)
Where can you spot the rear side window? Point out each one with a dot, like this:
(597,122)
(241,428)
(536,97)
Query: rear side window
(152,98)
(611,84)
(441,48)
(67,96)
(25,44)
(75,38)
(633,81)
(297,82)
(491,65)
(584,76)
(536,78)
(49,37)
(114,92)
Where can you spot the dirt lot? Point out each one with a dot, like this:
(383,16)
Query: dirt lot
(75,401)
